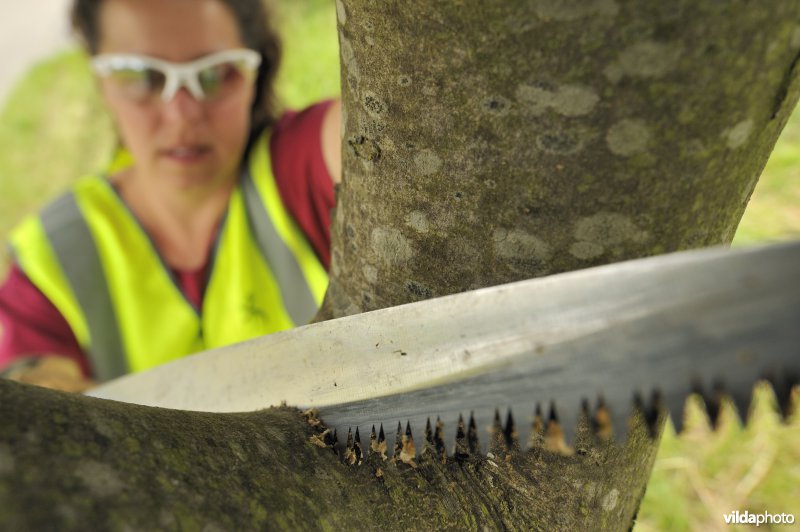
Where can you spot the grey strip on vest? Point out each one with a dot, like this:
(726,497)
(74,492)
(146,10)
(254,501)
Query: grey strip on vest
(295,292)
(72,241)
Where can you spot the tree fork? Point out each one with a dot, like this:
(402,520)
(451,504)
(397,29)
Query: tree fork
(485,142)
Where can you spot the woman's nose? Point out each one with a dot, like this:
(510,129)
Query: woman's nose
(183,107)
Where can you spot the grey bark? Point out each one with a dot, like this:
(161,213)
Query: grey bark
(485,142)
(488,142)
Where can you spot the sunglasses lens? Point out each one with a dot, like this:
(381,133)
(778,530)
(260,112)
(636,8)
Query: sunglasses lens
(223,78)
(139,83)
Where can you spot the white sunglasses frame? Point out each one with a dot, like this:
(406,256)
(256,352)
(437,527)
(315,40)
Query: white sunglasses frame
(177,74)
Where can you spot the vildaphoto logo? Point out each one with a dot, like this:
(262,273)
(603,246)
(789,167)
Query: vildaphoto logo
(764,518)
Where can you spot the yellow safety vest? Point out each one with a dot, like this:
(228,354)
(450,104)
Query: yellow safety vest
(91,258)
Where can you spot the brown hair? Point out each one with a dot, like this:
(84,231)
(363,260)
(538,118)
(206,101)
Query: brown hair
(252,17)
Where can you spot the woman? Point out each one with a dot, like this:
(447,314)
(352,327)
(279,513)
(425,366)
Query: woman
(218,231)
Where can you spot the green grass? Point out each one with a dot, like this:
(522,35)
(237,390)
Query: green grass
(310,64)
(53,129)
(773,213)
(703,474)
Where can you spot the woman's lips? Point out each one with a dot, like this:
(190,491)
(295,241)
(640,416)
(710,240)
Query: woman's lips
(187,154)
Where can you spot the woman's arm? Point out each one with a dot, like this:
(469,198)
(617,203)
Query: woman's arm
(305,150)
(36,343)
(332,140)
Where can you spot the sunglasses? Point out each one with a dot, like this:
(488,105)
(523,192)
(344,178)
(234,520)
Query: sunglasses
(142,78)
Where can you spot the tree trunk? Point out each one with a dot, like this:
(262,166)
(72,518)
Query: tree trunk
(485,142)
(488,142)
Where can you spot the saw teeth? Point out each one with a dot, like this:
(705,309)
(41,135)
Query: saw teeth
(352,453)
(550,429)
(334,439)
(712,400)
(373,440)
(406,451)
(398,441)
(510,431)
(472,435)
(438,436)
(462,445)
(675,405)
(742,403)
(431,445)
(429,433)
(377,444)
(584,434)
(792,396)
(554,433)
(497,441)
(783,389)
(586,410)
(601,421)
(649,412)
(536,438)
(358,451)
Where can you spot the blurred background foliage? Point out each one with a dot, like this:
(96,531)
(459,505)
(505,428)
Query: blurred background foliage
(53,129)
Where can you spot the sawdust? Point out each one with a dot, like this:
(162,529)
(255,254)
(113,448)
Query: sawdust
(408,451)
(602,423)
(377,443)
(311,418)
(353,455)
(323,438)
(320,440)
(554,439)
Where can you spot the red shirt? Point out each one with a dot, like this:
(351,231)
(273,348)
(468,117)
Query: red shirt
(30,325)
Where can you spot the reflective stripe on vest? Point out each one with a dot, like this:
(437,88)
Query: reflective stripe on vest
(283,245)
(38,256)
(87,253)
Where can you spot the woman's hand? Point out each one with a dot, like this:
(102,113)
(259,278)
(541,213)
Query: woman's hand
(55,372)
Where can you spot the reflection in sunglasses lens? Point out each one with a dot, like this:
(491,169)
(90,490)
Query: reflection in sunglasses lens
(140,83)
(216,80)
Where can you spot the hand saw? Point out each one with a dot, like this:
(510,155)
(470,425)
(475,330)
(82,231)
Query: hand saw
(711,320)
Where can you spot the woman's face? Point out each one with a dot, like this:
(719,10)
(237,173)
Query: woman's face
(182,143)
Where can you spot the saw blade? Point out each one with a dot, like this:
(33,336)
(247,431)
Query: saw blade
(672,324)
